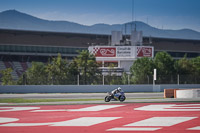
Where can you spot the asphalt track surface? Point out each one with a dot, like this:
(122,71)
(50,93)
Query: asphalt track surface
(78,95)
(131,98)
(102,118)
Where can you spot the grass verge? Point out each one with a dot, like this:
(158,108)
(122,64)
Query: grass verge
(21,100)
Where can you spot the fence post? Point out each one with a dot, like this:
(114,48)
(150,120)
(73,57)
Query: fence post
(178,79)
(103,79)
(78,79)
(148,78)
(128,79)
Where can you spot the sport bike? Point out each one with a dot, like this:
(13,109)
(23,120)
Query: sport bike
(116,97)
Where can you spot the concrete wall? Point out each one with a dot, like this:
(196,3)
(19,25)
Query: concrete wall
(193,93)
(89,88)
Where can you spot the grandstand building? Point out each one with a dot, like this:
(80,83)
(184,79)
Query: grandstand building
(18,48)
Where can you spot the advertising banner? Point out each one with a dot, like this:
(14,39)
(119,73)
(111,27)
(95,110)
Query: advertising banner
(122,51)
(144,51)
(104,51)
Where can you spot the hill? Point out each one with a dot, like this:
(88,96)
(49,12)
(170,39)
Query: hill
(12,19)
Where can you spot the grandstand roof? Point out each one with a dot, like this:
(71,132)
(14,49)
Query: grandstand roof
(24,37)
(43,38)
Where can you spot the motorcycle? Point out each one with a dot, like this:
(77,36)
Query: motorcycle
(117,97)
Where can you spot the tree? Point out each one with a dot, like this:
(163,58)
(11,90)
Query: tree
(7,77)
(57,71)
(87,66)
(188,70)
(72,72)
(36,74)
(141,69)
(125,78)
(164,64)
(184,66)
(196,67)
(196,64)
(111,78)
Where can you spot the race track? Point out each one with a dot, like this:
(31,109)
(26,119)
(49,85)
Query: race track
(78,95)
(102,118)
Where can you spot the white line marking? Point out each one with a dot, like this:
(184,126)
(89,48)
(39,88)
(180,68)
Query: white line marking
(83,121)
(186,108)
(133,129)
(96,108)
(24,124)
(49,110)
(194,128)
(93,108)
(169,107)
(189,105)
(161,121)
(6,109)
(5,120)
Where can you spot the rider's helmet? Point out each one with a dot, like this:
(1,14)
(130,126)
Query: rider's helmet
(119,89)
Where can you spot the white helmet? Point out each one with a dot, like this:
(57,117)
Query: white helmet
(119,89)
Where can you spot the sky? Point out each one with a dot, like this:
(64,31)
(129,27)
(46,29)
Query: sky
(162,14)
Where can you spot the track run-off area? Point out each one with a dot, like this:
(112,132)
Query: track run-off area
(100,118)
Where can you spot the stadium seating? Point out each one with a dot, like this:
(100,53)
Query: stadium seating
(18,67)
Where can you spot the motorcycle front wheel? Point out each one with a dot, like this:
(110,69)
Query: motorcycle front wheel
(122,98)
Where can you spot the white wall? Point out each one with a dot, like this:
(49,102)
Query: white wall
(193,93)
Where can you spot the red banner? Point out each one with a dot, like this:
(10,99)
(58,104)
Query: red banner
(104,52)
(144,51)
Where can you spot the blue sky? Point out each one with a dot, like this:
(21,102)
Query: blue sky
(166,14)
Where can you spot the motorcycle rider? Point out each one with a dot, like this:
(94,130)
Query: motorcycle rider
(115,91)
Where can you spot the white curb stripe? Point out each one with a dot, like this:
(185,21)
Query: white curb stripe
(161,121)
(83,121)
(133,129)
(49,110)
(5,120)
(194,128)
(96,108)
(169,107)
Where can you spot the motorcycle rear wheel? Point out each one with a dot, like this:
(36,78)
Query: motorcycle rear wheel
(107,99)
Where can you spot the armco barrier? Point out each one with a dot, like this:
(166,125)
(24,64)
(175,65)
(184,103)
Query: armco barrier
(88,88)
(73,88)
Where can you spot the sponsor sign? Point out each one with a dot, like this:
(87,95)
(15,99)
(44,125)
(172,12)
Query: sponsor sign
(122,51)
(104,51)
(144,51)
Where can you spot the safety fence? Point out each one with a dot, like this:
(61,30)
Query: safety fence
(110,80)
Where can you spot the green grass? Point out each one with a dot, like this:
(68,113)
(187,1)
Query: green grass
(21,100)
(145,98)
